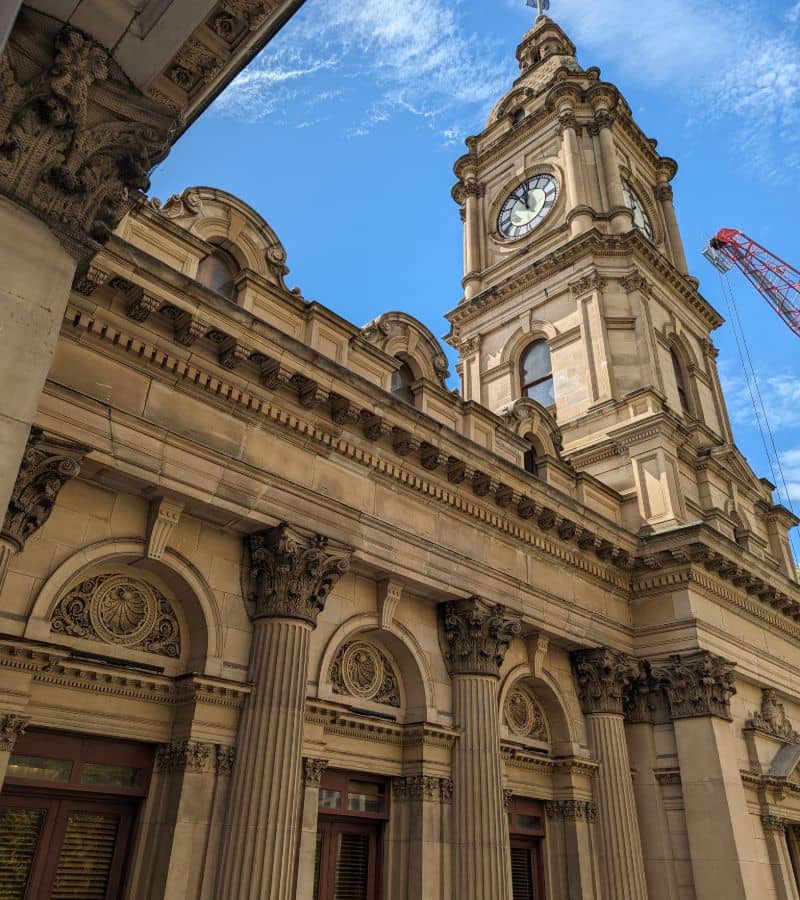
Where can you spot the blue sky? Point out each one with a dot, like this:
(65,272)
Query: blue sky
(343,133)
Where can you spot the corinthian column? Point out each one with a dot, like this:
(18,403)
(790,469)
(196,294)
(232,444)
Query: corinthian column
(603,678)
(292,578)
(76,143)
(475,637)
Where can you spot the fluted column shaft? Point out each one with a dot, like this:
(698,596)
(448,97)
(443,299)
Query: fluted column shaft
(616,809)
(263,826)
(674,238)
(481,833)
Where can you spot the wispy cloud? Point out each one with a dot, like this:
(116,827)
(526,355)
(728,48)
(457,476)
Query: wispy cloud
(790,464)
(413,56)
(780,393)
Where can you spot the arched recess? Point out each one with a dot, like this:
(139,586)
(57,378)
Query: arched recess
(198,604)
(681,353)
(525,416)
(522,337)
(223,220)
(404,337)
(405,651)
(564,734)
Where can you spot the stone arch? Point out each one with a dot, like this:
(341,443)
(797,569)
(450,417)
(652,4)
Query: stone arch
(220,219)
(404,650)
(198,605)
(676,344)
(523,337)
(525,417)
(514,99)
(564,736)
(645,194)
(404,337)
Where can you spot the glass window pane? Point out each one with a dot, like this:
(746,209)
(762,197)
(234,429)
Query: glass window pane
(543,392)
(536,362)
(106,774)
(19,835)
(529,821)
(40,767)
(364,796)
(329,799)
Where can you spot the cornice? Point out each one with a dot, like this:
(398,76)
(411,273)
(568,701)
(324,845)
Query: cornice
(595,244)
(518,757)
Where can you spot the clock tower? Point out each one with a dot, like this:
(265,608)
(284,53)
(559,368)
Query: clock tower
(577,298)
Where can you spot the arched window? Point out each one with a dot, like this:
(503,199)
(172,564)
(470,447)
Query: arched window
(218,271)
(530,460)
(536,374)
(402,379)
(680,381)
(518,117)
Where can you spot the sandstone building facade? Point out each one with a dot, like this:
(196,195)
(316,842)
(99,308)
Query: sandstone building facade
(283,616)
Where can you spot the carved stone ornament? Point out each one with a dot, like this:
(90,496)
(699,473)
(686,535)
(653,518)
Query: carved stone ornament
(603,677)
(772,718)
(76,138)
(523,715)
(179,206)
(293,575)
(476,636)
(47,465)
(183,755)
(362,670)
(423,787)
(571,810)
(774,823)
(699,684)
(313,770)
(644,696)
(224,759)
(122,610)
(11,727)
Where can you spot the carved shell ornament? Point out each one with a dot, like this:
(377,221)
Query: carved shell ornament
(361,670)
(524,716)
(122,610)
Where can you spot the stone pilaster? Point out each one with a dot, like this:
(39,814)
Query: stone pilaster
(313,770)
(76,144)
(722,845)
(603,679)
(47,465)
(11,727)
(475,638)
(621,216)
(775,828)
(292,577)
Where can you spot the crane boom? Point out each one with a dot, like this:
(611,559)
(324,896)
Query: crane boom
(776,281)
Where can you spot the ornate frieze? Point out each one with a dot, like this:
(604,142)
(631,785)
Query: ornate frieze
(47,465)
(476,636)
(772,719)
(603,678)
(699,684)
(122,610)
(11,727)
(293,575)
(362,670)
(313,770)
(76,139)
(523,715)
(571,810)
(423,787)
(192,756)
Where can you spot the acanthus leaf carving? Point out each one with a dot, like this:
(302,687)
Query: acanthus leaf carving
(47,465)
(293,575)
(603,677)
(313,770)
(429,788)
(476,635)
(364,671)
(11,727)
(76,140)
(119,609)
(698,684)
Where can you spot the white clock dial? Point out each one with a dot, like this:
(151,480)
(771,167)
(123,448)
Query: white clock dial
(527,206)
(634,203)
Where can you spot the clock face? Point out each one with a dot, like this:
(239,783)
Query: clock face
(640,218)
(527,206)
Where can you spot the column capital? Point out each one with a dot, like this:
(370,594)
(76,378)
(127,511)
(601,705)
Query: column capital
(76,138)
(11,727)
(772,822)
(476,635)
(192,756)
(313,770)
(603,677)
(644,696)
(47,465)
(571,810)
(698,684)
(293,574)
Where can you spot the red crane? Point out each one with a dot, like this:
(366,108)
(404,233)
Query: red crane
(776,281)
